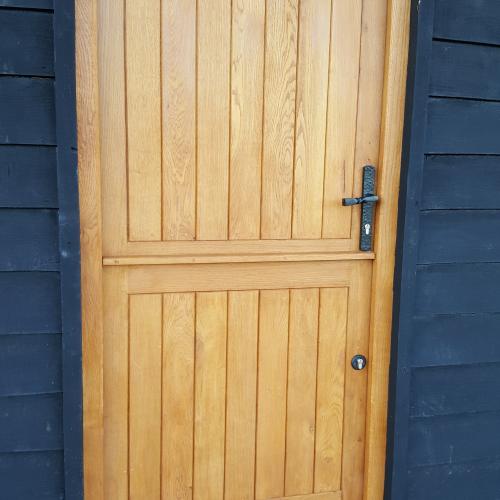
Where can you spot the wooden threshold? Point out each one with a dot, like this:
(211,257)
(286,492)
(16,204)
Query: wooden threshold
(140,260)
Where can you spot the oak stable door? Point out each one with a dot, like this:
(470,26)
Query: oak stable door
(235,294)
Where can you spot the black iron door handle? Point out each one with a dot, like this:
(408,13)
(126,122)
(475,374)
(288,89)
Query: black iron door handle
(370,198)
(367,202)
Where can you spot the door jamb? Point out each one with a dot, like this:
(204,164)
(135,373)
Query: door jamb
(89,180)
(391,140)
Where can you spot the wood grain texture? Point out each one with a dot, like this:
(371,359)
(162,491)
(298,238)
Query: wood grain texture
(337,495)
(143,84)
(279,119)
(310,127)
(247,74)
(179,119)
(178,392)
(272,393)
(239,276)
(214,40)
(210,391)
(398,30)
(341,117)
(113,124)
(241,395)
(212,247)
(145,382)
(301,398)
(242,257)
(116,385)
(253,105)
(90,244)
(330,389)
(370,95)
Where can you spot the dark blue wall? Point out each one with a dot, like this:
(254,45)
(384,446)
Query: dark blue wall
(444,415)
(40,346)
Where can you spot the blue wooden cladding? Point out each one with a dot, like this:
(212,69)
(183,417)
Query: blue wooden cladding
(28,177)
(26,43)
(40,328)
(444,411)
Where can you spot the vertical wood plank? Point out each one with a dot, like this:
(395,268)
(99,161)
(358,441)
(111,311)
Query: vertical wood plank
(142,52)
(243,319)
(330,390)
(353,440)
(179,119)
(301,405)
(312,91)
(341,118)
(178,394)
(89,184)
(210,395)
(145,396)
(116,377)
(113,130)
(214,41)
(271,406)
(247,73)
(279,119)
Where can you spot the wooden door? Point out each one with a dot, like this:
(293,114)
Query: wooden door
(234,293)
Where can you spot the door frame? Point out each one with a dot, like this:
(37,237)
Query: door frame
(394,88)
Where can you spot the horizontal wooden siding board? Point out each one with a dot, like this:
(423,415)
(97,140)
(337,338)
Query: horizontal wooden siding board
(462,126)
(475,479)
(468,20)
(455,339)
(453,438)
(30,364)
(33,475)
(455,389)
(26,43)
(28,113)
(31,423)
(454,182)
(30,240)
(28,4)
(458,288)
(459,236)
(465,70)
(36,292)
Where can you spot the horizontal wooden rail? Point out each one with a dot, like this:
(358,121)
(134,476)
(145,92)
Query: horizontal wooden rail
(216,259)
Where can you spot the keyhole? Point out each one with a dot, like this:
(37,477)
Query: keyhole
(367,229)
(358,362)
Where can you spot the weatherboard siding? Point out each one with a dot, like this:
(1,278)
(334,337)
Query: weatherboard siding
(40,357)
(444,412)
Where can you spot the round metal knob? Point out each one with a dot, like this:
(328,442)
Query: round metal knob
(358,362)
